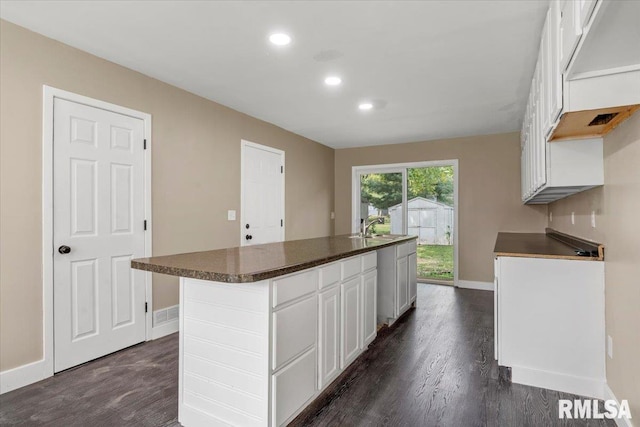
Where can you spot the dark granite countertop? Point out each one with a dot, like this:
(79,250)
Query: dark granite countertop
(550,244)
(259,262)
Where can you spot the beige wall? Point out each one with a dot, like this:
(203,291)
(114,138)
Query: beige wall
(617,207)
(196,172)
(489,191)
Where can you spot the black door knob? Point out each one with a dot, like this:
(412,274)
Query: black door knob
(248,237)
(246,226)
(64,249)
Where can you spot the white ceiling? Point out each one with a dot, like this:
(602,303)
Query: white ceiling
(434,69)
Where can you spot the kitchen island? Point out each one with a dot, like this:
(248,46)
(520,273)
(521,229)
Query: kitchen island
(265,328)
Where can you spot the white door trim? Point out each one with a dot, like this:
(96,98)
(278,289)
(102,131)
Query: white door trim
(356,171)
(49,94)
(244,143)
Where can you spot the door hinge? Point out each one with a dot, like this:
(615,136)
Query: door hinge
(281,223)
(146,307)
(145,225)
(281,169)
(144,144)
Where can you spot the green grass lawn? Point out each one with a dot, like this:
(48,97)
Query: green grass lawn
(435,262)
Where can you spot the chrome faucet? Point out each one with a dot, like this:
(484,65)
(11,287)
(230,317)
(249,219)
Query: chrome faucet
(364,228)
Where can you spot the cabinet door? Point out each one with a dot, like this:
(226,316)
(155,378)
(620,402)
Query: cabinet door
(412,260)
(350,319)
(585,10)
(496,269)
(540,153)
(329,336)
(293,386)
(369,304)
(402,291)
(294,330)
(570,32)
(543,75)
(553,67)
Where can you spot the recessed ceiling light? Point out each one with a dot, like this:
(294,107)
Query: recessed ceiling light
(365,106)
(332,81)
(280,39)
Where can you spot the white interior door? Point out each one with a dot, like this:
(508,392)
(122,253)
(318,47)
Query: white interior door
(98,227)
(262,194)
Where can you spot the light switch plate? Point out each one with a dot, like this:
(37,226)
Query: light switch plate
(573,218)
(333,215)
(593,219)
(231,215)
(610,346)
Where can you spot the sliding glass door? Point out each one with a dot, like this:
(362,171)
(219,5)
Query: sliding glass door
(417,199)
(380,193)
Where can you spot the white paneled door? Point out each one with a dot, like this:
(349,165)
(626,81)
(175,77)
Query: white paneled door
(98,218)
(262,194)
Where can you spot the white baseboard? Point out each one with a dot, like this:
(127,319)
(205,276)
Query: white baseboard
(582,386)
(165,321)
(33,372)
(608,395)
(23,375)
(164,329)
(471,284)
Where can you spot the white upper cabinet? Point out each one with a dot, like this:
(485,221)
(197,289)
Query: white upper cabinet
(553,68)
(584,9)
(570,31)
(582,77)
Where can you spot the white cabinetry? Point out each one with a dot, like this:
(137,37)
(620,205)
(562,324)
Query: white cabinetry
(412,261)
(329,327)
(369,312)
(258,353)
(550,170)
(293,386)
(351,318)
(549,323)
(402,288)
(397,281)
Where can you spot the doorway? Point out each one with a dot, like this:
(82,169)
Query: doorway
(262,194)
(418,199)
(96,218)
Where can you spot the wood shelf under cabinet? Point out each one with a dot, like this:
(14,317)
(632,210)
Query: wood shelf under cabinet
(576,124)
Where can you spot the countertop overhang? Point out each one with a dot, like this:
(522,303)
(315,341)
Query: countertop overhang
(254,263)
(551,244)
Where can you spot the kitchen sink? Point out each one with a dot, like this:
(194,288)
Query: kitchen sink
(377,237)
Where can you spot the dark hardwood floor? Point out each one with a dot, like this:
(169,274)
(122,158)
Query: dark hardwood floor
(434,367)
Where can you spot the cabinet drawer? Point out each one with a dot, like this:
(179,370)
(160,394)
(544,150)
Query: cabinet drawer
(329,275)
(369,261)
(406,248)
(294,330)
(350,267)
(291,287)
(293,387)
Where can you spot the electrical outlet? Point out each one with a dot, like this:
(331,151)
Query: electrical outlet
(610,346)
(593,219)
(333,215)
(231,215)
(573,218)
